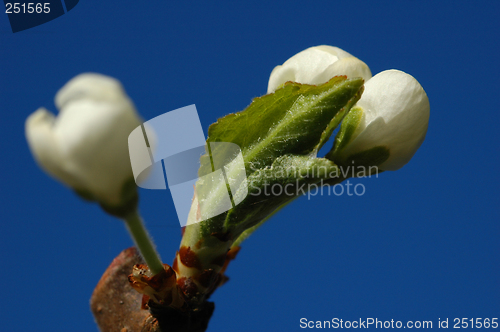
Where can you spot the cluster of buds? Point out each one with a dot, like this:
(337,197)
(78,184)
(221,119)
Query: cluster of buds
(160,288)
(383,123)
(393,112)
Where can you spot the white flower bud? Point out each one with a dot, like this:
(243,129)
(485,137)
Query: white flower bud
(85,146)
(317,65)
(393,113)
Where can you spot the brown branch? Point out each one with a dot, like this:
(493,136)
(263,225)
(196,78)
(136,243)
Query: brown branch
(117,306)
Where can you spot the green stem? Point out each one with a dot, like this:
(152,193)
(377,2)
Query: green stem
(143,242)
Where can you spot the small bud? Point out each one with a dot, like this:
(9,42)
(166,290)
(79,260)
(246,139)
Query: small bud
(387,125)
(85,146)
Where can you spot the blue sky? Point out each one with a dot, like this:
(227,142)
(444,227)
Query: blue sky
(421,244)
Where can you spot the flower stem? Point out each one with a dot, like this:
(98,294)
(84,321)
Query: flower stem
(143,242)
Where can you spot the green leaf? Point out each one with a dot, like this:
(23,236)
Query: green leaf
(280,131)
(269,188)
(296,119)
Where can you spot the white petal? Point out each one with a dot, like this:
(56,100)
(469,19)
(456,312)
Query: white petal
(90,86)
(303,67)
(338,52)
(279,76)
(392,92)
(309,64)
(351,67)
(45,148)
(316,65)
